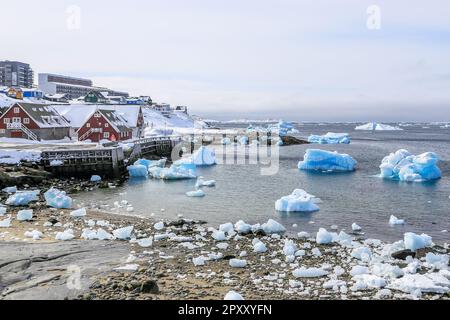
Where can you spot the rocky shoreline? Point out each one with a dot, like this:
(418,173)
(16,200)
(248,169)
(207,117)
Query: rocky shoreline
(184,259)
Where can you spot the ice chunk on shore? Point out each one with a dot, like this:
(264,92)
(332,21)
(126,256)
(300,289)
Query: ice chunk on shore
(309,273)
(439,261)
(259,247)
(233,296)
(362,253)
(430,283)
(273,227)
(242,227)
(58,199)
(2,210)
(25,215)
(204,157)
(123,233)
(196,194)
(66,235)
(6,223)
(138,171)
(324,237)
(199,261)
(35,234)
(227,228)
(404,166)
(415,242)
(298,201)
(100,234)
(393,221)
(10,189)
(236,263)
(219,235)
(145,243)
(22,198)
(321,160)
(96,179)
(78,213)
(373,126)
(330,138)
(159,226)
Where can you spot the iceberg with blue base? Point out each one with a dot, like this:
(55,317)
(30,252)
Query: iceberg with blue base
(322,160)
(204,157)
(137,171)
(330,138)
(404,166)
(22,198)
(415,242)
(151,163)
(298,201)
(282,128)
(58,199)
(179,170)
(96,179)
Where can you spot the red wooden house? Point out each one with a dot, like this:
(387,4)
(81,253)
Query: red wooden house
(33,121)
(105,125)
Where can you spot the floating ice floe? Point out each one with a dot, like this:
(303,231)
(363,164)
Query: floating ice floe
(137,171)
(298,201)
(96,179)
(233,296)
(123,233)
(10,189)
(373,126)
(201,182)
(182,169)
(35,234)
(151,163)
(66,235)
(22,198)
(25,215)
(309,272)
(196,194)
(204,157)
(356,228)
(393,221)
(78,213)
(404,166)
(330,138)
(5,223)
(58,199)
(321,160)
(236,263)
(415,242)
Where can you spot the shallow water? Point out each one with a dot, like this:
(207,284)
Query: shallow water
(361,197)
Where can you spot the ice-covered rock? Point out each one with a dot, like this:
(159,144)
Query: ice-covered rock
(22,198)
(320,160)
(236,263)
(66,235)
(25,215)
(415,242)
(233,296)
(309,272)
(393,221)
(196,193)
(298,201)
(330,138)
(10,189)
(35,234)
(123,233)
(273,227)
(58,199)
(96,179)
(204,157)
(373,126)
(137,171)
(404,166)
(78,213)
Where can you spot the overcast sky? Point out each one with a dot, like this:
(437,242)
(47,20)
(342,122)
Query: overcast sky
(301,60)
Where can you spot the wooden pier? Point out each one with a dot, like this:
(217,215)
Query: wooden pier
(110,160)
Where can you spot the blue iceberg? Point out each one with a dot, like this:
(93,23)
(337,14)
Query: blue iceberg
(204,157)
(330,138)
(22,198)
(151,163)
(321,160)
(404,166)
(58,199)
(96,179)
(282,128)
(179,170)
(138,171)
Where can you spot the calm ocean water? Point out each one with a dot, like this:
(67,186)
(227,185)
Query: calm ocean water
(243,193)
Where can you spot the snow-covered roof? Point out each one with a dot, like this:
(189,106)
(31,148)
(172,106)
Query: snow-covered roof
(118,122)
(45,116)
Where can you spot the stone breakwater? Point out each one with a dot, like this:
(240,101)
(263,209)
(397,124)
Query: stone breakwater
(187,259)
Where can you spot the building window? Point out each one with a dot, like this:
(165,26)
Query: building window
(88,125)
(16,110)
(106,135)
(97,115)
(6,120)
(26,120)
(106,125)
(2,131)
(16,120)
